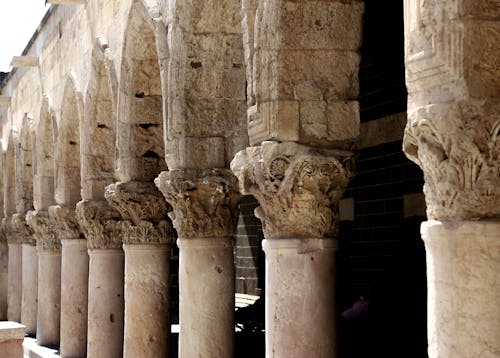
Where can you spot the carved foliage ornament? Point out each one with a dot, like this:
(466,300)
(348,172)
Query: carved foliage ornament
(457,145)
(65,222)
(21,230)
(43,231)
(298,187)
(204,201)
(143,210)
(99,223)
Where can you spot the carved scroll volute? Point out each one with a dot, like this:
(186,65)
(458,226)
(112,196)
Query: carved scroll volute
(65,222)
(205,202)
(298,187)
(100,224)
(43,231)
(143,211)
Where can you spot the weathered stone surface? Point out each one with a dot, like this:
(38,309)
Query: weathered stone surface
(204,202)
(298,187)
(20,230)
(452,67)
(29,302)
(143,210)
(65,222)
(100,224)
(43,231)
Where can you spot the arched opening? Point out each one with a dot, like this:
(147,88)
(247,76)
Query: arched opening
(24,168)
(10,177)
(68,149)
(45,155)
(98,161)
(140,141)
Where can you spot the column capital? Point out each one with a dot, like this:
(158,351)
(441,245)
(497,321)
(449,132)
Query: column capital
(43,231)
(204,201)
(65,222)
(143,210)
(298,187)
(100,224)
(20,230)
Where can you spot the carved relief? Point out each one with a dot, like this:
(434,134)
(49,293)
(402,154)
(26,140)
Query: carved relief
(458,148)
(204,202)
(99,223)
(298,187)
(65,222)
(21,230)
(143,210)
(43,231)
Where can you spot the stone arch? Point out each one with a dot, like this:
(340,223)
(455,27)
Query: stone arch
(10,175)
(68,178)
(98,130)
(140,122)
(44,181)
(24,167)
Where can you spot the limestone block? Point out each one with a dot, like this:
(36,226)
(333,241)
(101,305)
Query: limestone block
(11,339)
(24,61)
(14,289)
(30,288)
(195,153)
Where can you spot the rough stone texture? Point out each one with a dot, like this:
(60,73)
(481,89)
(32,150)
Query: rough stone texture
(206,297)
(100,224)
(64,222)
(21,231)
(43,231)
(452,68)
(204,202)
(463,261)
(49,298)
(74,297)
(300,298)
(30,288)
(105,315)
(302,60)
(147,300)
(143,210)
(298,187)
(4,264)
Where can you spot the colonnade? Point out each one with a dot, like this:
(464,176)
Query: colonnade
(91,273)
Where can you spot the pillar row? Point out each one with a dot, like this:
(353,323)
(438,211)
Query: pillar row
(100,225)
(452,76)
(298,189)
(204,214)
(74,282)
(49,278)
(147,235)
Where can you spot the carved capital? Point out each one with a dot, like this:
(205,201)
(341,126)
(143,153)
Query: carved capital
(100,224)
(457,145)
(298,187)
(65,222)
(143,210)
(204,201)
(21,232)
(43,231)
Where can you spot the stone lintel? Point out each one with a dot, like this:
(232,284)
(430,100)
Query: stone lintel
(25,61)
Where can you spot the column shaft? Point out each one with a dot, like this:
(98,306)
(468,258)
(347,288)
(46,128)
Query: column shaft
(463,262)
(14,282)
(105,304)
(30,288)
(206,297)
(49,298)
(147,300)
(74,296)
(300,298)
(4,278)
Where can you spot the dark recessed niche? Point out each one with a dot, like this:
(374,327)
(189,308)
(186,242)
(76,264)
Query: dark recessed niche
(102,126)
(150,154)
(148,125)
(195,64)
(139,94)
(72,142)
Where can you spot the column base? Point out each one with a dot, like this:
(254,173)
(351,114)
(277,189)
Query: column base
(463,266)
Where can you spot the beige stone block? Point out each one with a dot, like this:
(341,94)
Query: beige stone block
(276,120)
(195,153)
(14,283)
(30,288)
(11,339)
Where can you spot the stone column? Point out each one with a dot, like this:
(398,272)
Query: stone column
(298,189)
(453,81)
(4,273)
(74,282)
(204,214)
(14,280)
(49,278)
(29,296)
(147,235)
(100,225)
